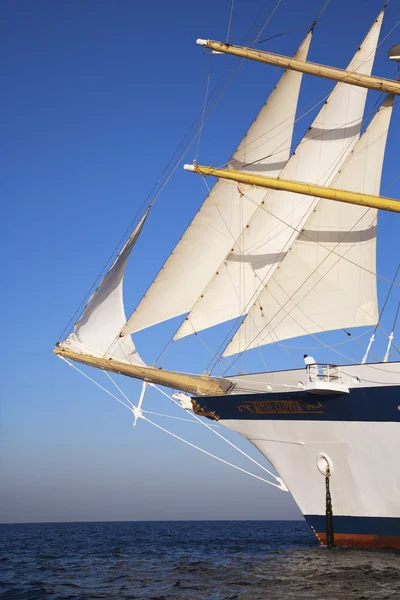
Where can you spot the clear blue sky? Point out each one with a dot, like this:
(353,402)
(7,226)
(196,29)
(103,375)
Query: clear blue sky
(96,95)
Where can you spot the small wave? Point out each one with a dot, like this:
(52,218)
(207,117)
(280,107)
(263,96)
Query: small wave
(188,561)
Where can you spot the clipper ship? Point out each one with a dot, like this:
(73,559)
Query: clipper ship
(284,246)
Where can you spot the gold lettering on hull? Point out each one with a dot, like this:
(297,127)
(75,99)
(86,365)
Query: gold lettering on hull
(281,407)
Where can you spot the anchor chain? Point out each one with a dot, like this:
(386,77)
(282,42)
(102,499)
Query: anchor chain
(330,538)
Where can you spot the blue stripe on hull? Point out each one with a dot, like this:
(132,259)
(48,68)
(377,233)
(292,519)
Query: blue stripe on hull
(377,526)
(376,404)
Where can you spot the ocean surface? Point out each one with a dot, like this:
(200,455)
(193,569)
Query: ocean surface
(200,560)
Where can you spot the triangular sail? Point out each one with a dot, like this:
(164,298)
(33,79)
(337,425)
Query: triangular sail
(264,149)
(327,281)
(257,253)
(97,331)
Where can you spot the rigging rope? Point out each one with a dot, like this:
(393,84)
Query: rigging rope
(290,299)
(372,339)
(118,388)
(149,412)
(194,137)
(138,412)
(386,357)
(229,21)
(254,297)
(268,20)
(242,432)
(353,339)
(395,319)
(166,175)
(213,364)
(70,364)
(321,12)
(204,108)
(277,485)
(378,47)
(235,243)
(387,297)
(388,336)
(233,446)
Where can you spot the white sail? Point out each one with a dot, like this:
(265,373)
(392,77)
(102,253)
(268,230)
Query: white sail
(258,251)
(327,280)
(223,215)
(97,331)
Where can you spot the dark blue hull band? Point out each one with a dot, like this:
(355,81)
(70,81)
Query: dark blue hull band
(376,404)
(376,526)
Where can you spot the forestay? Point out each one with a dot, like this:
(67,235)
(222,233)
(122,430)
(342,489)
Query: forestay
(223,215)
(327,281)
(270,233)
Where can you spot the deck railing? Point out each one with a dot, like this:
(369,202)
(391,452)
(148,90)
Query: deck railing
(323,372)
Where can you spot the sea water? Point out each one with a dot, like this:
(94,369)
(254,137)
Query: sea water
(194,560)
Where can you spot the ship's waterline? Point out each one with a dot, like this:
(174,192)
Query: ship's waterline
(361,532)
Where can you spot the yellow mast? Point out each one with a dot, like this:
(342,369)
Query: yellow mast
(298,187)
(286,62)
(193,384)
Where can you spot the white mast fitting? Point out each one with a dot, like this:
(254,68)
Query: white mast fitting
(240,278)
(264,149)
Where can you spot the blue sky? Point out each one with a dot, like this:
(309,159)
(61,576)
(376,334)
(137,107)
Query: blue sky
(96,97)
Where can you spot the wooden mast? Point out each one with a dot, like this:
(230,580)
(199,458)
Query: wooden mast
(319,191)
(294,64)
(193,384)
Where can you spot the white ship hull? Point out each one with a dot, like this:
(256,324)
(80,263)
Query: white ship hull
(359,431)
